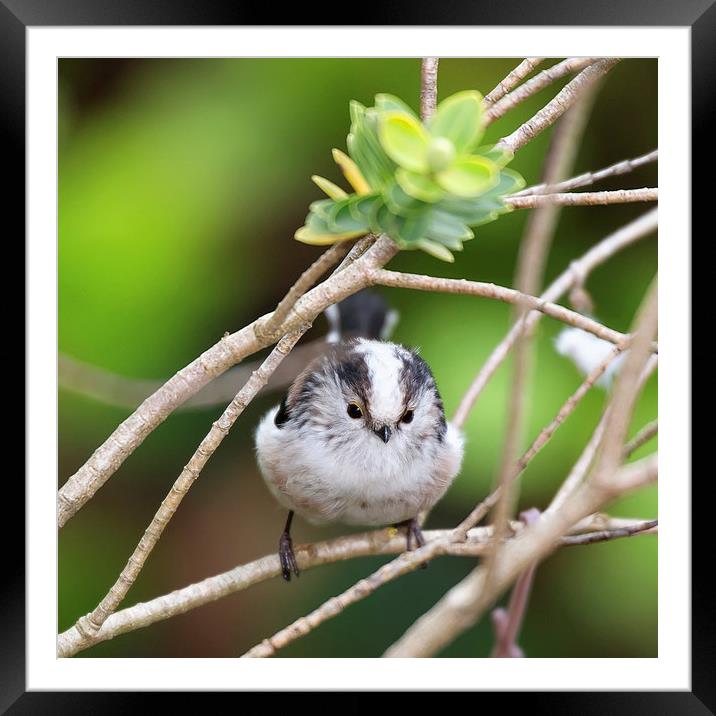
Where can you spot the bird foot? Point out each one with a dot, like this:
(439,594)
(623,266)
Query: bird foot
(287,557)
(414,534)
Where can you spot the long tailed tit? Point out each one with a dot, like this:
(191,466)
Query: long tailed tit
(361,437)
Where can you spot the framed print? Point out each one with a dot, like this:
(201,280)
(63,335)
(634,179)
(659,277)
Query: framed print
(350,345)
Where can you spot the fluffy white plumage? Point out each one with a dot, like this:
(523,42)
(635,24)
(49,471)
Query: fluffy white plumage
(328,466)
(587,351)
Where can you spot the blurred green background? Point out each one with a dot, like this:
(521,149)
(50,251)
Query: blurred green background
(181,183)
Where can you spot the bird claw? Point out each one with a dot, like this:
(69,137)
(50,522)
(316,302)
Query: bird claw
(414,534)
(287,557)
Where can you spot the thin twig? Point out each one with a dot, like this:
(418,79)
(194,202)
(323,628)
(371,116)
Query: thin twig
(513,79)
(540,441)
(623,167)
(537,83)
(641,438)
(377,542)
(231,349)
(583,198)
(307,280)
(407,562)
(428,87)
(649,526)
(499,293)
(626,390)
(549,114)
(464,604)
(120,391)
(566,410)
(507,623)
(577,272)
(581,467)
(354,546)
(89,624)
(529,273)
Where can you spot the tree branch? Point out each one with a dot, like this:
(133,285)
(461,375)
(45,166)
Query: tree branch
(406,562)
(577,272)
(507,624)
(581,467)
(623,167)
(549,114)
(540,441)
(641,438)
(89,624)
(529,273)
(377,542)
(230,350)
(499,293)
(306,281)
(463,605)
(626,390)
(646,527)
(537,83)
(428,87)
(513,79)
(584,198)
(120,391)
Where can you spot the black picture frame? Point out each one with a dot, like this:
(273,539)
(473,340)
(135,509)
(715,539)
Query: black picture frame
(17,15)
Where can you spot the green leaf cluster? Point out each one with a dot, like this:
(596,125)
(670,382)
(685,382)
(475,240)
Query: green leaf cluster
(423,184)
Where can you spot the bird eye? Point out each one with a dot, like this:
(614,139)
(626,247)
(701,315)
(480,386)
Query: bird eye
(407,416)
(354,410)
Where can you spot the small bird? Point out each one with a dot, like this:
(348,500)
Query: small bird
(361,436)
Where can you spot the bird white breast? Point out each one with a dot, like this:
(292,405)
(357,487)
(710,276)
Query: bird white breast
(356,478)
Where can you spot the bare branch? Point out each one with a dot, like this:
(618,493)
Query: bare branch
(641,438)
(646,527)
(578,271)
(406,562)
(626,391)
(507,624)
(120,391)
(566,410)
(513,79)
(636,475)
(584,198)
(540,441)
(230,350)
(499,293)
(529,273)
(537,83)
(89,625)
(623,167)
(428,87)
(549,114)
(581,467)
(307,280)
(463,605)
(377,542)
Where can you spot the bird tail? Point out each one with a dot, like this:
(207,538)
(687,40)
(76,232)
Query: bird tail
(363,315)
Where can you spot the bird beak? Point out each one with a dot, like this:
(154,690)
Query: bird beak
(383,433)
